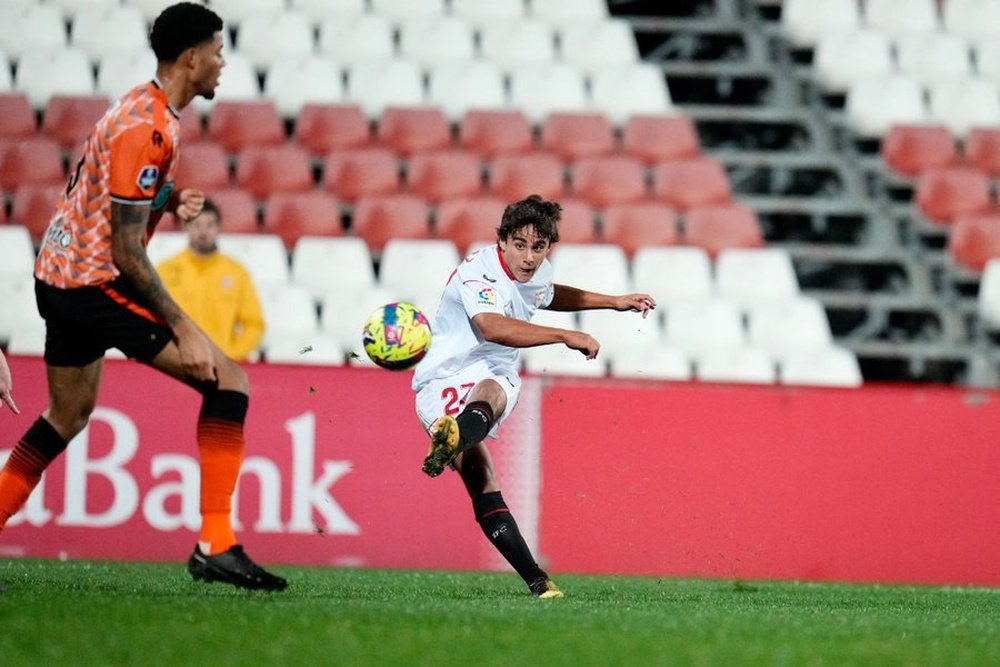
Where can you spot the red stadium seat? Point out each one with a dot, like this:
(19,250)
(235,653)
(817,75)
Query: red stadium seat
(408,130)
(974,239)
(31,160)
(237,125)
(658,138)
(203,165)
(309,213)
(192,128)
(692,182)
(237,209)
(323,128)
(69,119)
(514,177)
(982,149)
(17,118)
(467,221)
(719,226)
(445,174)
(360,172)
(632,226)
(494,132)
(572,136)
(578,221)
(267,169)
(945,193)
(910,149)
(34,206)
(603,181)
(399,216)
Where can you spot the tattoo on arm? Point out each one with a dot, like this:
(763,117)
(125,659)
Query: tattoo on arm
(128,226)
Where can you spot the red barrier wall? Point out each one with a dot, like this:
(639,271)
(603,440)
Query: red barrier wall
(878,484)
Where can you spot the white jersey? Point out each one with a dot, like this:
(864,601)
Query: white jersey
(482,283)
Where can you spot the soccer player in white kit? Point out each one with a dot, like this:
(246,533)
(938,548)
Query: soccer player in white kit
(468,382)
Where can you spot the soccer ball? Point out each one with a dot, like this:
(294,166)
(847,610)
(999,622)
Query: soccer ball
(397,336)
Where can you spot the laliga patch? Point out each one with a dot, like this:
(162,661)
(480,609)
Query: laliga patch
(487,296)
(148,176)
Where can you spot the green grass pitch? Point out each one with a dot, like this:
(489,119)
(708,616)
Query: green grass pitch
(109,613)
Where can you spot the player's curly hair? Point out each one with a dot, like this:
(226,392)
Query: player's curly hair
(180,27)
(543,215)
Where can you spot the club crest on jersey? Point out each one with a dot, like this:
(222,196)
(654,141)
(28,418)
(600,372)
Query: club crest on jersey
(486,296)
(148,176)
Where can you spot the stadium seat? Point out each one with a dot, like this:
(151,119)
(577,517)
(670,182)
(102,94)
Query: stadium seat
(933,56)
(17,254)
(659,137)
(592,45)
(565,11)
(599,267)
(458,87)
(577,135)
(608,180)
(514,177)
(987,56)
(804,22)
(469,220)
(320,10)
(488,12)
(6,73)
(513,44)
(235,11)
(44,73)
(875,105)
(239,83)
(920,17)
(237,210)
(313,349)
(120,71)
(203,165)
(332,265)
(192,129)
(268,37)
(626,90)
(578,222)
(354,173)
(408,130)
(691,182)
(17,119)
(399,10)
(742,365)
(377,219)
(292,215)
(495,132)
(971,19)
(988,300)
(619,333)
(165,243)
(93,23)
(558,360)
(704,324)
(31,160)
(431,40)
(263,255)
(36,27)
(418,270)
(150,8)
(829,367)
(658,363)
(237,125)
(446,174)
(343,315)
(719,226)
(632,226)
(69,120)
(974,239)
(672,274)
(962,104)
(982,150)
(323,128)
(19,318)
(787,326)
(295,81)
(910,149)
(356,38)
(843,57)
(267,169)
(750,276)
(376,85)
(541,89)
(945,193)
(289,312)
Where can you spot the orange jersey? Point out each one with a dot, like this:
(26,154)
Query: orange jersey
(129,158)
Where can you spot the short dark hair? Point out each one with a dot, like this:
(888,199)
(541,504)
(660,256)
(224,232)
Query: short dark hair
(180,27)
(211,207)
(543,215)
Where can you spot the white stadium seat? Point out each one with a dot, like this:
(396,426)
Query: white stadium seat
(593,45)
(94,23)
(961,104)
(428,41)
(623,91)
(874,105)
(785,326)
(17,254)
(988,58)
(238,83)
(263,255)
(314,349)
(972,19)
(746,276)
(329,265)
(264,38)
(377,85)
(71,8)
(321,10)
(233,12)
(401,10)
(673,273)
(843,57)
(560,360)
(515,43)
(736,364)
(806,21)
(891,18)
(484,12)
(546,88)
(418,270)
(620,332)
(42,74)
(344,313)
(696,326)
(988,300)
(289,312)
(32,28)
(659,363)
(599,267)
(18,298)
(119,72)
(457,87)
(294,81)
(933,56)
(829,367)
(6,78)
(563,11)
(354,39)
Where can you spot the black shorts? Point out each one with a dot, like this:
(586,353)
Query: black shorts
(84,322)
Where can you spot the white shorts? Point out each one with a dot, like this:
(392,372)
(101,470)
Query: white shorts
(447,396)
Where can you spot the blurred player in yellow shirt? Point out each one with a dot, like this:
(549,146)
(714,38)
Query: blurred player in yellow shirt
(213,288)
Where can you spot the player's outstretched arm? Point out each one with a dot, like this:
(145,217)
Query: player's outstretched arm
(573,298)
(512,332)
(6,384)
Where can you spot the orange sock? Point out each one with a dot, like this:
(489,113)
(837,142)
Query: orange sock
(220,444)
(23,470)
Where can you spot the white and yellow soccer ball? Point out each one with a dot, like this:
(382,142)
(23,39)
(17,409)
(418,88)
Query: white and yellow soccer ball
(397,335)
